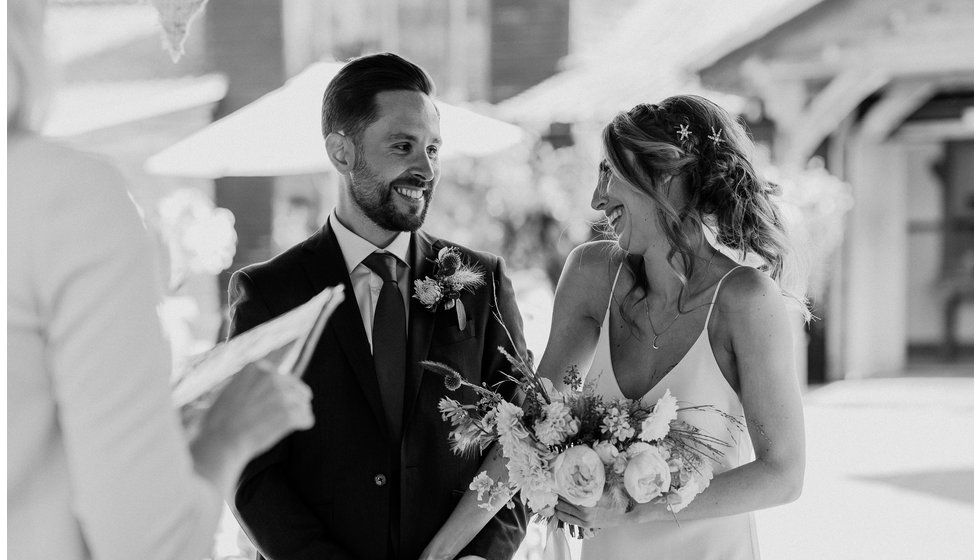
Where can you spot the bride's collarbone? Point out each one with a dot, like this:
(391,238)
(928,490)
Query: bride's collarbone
(639,366)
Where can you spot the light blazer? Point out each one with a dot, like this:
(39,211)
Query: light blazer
(325,492)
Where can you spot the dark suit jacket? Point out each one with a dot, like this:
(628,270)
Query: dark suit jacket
(324,493)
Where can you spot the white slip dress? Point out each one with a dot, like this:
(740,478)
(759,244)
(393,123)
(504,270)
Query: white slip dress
(695,380)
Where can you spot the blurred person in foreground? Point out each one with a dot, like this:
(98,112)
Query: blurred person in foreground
(375,478)
(97,464)
(662,308)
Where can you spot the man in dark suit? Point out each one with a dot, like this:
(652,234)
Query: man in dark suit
(375,478)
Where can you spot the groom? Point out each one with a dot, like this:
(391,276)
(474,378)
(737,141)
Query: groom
(375,477)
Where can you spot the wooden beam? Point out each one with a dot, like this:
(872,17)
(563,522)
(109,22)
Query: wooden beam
(828,110)
(901,99)
(937,131)
(912,58)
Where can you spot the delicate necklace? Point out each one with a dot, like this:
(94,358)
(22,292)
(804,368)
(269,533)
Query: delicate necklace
(656,335)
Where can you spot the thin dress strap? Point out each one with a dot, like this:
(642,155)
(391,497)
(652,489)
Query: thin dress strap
(613,289)
(717,289)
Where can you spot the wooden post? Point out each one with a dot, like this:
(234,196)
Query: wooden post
(246,44)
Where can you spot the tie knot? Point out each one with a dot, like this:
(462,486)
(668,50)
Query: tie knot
(384,265)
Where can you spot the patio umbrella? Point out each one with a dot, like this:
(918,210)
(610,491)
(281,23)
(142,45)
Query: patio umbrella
(279,134)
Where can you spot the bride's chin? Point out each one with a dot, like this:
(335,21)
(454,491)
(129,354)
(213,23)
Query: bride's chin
(624,242)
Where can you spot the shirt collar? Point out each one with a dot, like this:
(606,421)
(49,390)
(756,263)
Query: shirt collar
(355,248)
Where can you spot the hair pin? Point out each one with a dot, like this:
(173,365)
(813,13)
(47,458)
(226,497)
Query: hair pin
(683,131)
(715,136)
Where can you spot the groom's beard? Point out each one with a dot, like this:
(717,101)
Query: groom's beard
(375,198)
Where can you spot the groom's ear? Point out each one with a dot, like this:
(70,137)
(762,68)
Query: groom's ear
(341,152)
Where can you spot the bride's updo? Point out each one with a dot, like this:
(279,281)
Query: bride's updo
(707,151)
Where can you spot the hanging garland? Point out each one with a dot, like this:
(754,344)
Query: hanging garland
(175,19)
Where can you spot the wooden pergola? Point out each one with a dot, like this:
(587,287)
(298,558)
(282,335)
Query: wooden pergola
(841,78)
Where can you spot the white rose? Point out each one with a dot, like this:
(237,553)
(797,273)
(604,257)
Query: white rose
(580,476)
(647,474)
(657,424)
(607,452)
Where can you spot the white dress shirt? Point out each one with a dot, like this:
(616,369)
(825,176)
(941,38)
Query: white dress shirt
(367,284)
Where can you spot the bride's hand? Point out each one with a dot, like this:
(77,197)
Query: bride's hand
(606,513)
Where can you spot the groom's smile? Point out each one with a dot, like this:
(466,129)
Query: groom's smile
(398,161)
(411,193)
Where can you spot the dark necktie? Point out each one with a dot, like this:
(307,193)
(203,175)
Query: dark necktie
(388,339)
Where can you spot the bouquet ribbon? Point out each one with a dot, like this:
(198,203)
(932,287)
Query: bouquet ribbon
(555,543)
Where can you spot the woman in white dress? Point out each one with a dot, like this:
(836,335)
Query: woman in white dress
(661,308)
(664,309)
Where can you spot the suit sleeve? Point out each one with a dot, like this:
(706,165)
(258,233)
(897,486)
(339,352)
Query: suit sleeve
(277,520)
(501,537)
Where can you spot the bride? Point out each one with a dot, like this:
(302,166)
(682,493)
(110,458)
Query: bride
(662,308)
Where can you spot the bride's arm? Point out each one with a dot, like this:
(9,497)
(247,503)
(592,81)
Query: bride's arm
(762,343)
(571,341)
(758,328)
(580,299)
(468,518)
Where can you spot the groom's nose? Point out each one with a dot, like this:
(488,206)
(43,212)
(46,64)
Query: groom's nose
(424,167)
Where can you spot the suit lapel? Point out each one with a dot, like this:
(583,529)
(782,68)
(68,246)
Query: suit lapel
(325,266)
(421,320)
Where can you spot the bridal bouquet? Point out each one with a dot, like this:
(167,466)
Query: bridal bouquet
(579,446)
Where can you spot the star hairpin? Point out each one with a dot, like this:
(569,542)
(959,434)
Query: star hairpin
(715,136)
(683,131)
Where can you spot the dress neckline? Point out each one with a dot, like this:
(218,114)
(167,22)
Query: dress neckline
(702,335)
(612,368)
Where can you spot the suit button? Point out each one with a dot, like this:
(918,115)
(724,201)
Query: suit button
(380,480)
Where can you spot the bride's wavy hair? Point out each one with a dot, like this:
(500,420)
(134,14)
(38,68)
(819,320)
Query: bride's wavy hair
(690,138)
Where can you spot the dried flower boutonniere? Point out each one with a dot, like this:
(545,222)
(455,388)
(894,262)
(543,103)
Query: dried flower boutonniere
(451,277)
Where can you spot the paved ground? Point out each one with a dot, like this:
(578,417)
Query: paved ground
(889,474)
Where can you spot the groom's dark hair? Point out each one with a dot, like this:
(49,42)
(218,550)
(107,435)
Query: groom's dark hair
(349,103)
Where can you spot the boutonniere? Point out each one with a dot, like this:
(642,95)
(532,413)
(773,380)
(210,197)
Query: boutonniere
(450,278)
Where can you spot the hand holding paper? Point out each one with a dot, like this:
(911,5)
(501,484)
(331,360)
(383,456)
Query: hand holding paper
(284,344)
(252,411)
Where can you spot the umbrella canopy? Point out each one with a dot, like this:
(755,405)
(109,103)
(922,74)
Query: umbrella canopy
(279,134)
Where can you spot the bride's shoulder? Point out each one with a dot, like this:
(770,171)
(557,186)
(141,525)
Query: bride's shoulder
(745,289)
(593,264)
(599,255)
